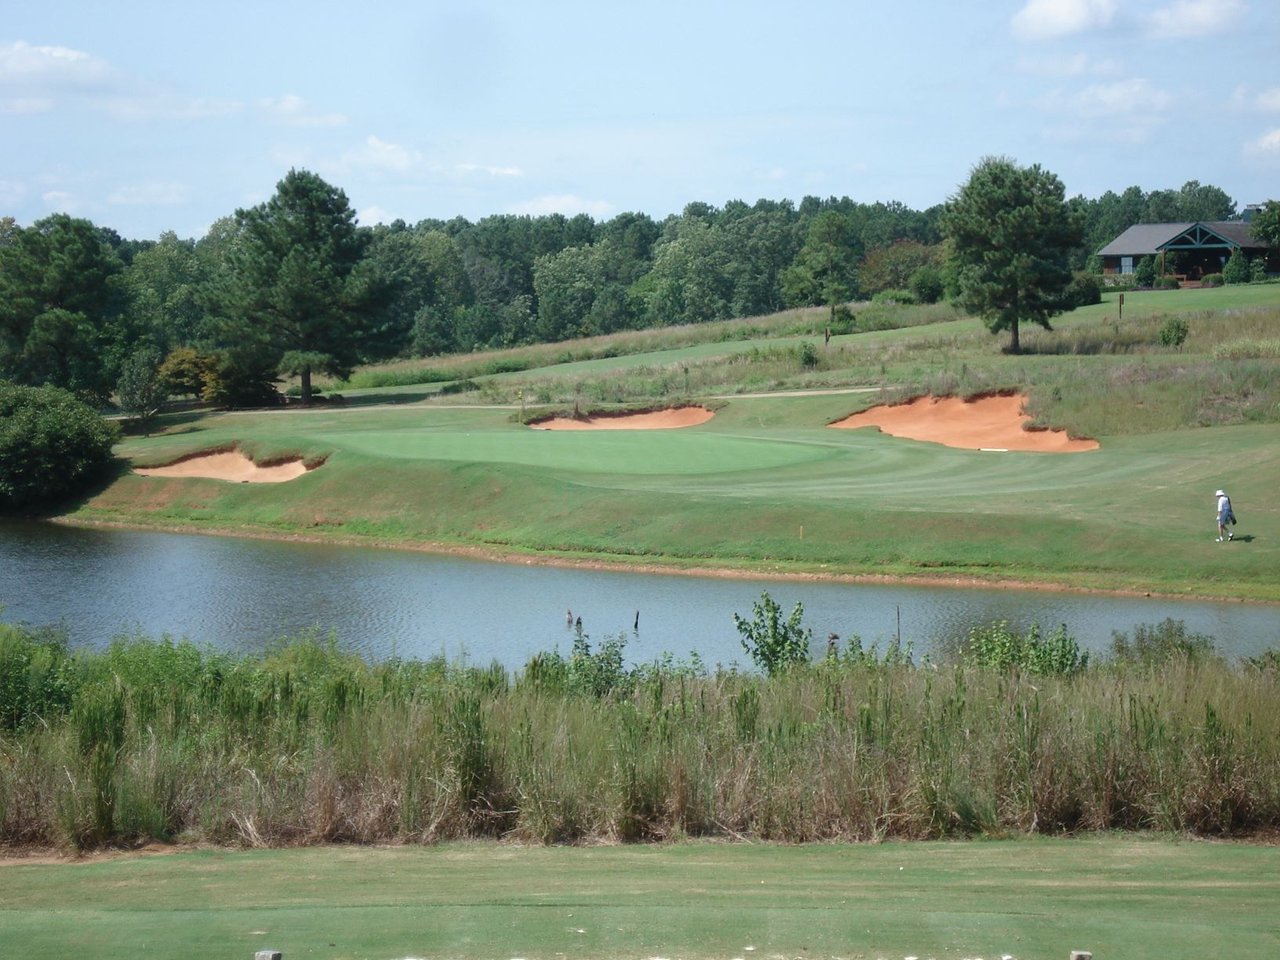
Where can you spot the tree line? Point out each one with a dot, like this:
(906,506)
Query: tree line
(296,286)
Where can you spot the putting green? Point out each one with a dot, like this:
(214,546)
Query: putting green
(665,452)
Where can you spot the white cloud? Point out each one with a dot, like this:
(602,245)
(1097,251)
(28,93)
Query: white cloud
(11,193)
(26,105)
(492,171)
(149,194)
(380,154)
(1266,145)
(1260,101)
(374,214)
(564,203)
(59,201)
(1196,18)
(1045,19)
(292,110)
(1124,98)
(162,106)
(1077,65)
(50,68)
(37,79)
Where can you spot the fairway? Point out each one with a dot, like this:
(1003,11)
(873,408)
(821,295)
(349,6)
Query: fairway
(765,486)
(1132,898)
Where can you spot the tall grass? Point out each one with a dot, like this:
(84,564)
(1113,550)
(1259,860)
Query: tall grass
(803,322)
(1096,378)
(166,741)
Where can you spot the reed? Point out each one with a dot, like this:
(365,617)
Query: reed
(156,740)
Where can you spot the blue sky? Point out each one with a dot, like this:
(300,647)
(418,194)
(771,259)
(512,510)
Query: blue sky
(151,116)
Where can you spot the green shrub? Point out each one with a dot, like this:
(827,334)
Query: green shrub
(926,284)
(184,371)
(772,643)
(1156,644)
(1257,270)
(1083,290)
(52,446)
(1174,332)
(239,379)
(1236,269)
(141,389)
(459,386)
(903,297)
(36,676)
(998,647)
(1167,283)
(1212,280)
(808,356)
(601,673)
(842,321)
(1144,274)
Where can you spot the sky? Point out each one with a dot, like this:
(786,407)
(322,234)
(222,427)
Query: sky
(153,116)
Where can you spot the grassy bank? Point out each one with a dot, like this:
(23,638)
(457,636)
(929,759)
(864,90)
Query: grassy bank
(766,487)
(1127,897)
(156,741)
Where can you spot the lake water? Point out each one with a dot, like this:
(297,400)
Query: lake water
(244,594)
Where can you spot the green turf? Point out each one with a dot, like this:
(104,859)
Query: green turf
(765,486)
(1130,898)
(1136,514)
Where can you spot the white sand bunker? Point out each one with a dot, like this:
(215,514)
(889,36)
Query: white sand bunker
(653,420)
(230,465)
(985,423)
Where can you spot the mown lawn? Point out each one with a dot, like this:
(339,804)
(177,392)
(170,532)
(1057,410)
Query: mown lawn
(764,486)
(1121,897)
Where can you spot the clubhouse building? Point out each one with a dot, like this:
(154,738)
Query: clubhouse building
(1185,250)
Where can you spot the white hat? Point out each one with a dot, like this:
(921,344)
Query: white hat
(1220,493)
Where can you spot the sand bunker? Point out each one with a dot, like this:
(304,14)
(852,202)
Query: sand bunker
(653,420)
(231,465)
(987,423)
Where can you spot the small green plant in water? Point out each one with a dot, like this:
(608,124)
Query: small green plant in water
(1159,643)
(999,647)
(772,643)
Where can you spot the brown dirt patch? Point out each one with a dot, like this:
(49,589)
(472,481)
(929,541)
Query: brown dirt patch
(984,423)
(671,419)
(229,465)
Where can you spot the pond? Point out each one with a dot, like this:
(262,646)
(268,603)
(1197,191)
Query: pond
(244,594)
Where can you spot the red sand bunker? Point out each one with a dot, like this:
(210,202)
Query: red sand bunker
(230,465)
(987,423)
(653,420)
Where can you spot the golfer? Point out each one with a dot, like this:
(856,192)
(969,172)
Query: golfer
(1225,516)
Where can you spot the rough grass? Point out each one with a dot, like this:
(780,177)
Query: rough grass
(160,741)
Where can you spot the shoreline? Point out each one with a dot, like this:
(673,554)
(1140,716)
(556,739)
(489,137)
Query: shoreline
(494,554)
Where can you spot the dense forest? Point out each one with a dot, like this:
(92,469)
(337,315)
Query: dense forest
(296,286)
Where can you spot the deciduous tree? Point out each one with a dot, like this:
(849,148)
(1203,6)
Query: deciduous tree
(1266,224)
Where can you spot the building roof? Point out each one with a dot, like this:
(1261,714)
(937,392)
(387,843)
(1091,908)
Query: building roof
(1146,239)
